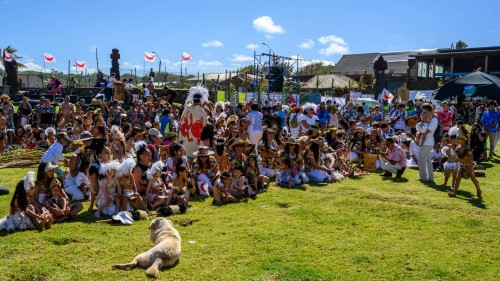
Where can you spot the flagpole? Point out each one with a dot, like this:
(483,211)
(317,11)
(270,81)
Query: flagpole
(44,69)
(97,59)
(181,74)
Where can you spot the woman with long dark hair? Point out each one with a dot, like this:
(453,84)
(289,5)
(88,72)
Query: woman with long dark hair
(313,162)
(268,151)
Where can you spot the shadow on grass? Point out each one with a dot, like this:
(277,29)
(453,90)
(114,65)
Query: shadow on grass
(395,180)
(198,198)
(466,195)
(301,187)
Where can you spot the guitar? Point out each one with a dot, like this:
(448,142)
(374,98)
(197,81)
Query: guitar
(413,121)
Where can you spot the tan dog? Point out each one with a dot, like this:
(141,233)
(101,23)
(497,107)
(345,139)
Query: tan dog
(166,250)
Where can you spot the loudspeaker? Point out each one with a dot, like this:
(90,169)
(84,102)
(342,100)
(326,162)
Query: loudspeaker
(276,79)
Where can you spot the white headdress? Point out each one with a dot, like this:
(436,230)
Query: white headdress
(29,180)
(220,104)
(140,145)
(453,131)
(113,165)
(50,130)
(116,133)
(198,89)
(125,167)
(329,157)
(308,106)
(157,166)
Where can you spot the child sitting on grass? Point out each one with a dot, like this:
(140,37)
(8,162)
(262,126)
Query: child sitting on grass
(239,185)
(156,192)
(252,173)
(109,189)
(285,177)
(56,203)
(221,192)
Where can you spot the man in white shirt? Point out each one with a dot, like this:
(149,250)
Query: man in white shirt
(295,127)
(108,92)
(424,159)
(254,120)
(55,151)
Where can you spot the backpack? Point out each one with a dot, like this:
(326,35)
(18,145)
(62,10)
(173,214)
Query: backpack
(294,122)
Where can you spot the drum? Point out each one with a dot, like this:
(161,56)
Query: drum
(370,162)
(119,88)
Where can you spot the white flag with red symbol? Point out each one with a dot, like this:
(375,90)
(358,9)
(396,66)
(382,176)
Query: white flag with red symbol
(186,56)
(81,64)
(151,57)
(385,95)
(49,57)
(7,56)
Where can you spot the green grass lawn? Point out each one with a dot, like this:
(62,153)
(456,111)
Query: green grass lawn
(359,229)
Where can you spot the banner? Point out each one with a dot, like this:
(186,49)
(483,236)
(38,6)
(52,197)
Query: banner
(7,56)
(151,57)
(385,95)
(186,56)
(49,57)
(81,64)
(192,121)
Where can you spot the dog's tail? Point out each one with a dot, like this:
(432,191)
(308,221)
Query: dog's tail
(154,270)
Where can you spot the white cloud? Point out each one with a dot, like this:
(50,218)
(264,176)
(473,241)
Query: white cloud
(213,43)
(252,46)
(89,70)
(241,58)
(128,66)
(308,44)
(336,45)
(93,47)
(30,65)
(209,63)
(267,25)
(303,62)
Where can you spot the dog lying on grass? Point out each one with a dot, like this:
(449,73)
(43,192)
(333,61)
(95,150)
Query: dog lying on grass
(166,250)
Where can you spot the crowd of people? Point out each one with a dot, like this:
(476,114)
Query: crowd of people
(151,155)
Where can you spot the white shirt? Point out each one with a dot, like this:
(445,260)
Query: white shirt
(146,92)
(432,126)
(309,120)
(254,120)
(110,82)
(53,154)
(294,132)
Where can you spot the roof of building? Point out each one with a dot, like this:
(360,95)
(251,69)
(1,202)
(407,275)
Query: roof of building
(397,62)
(220,76)
(447,52)
(324,81)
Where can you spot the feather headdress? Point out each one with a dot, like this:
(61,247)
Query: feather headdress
(309,105)
(197,90)
(140,145)
(116,133)
(29,180)
(50,130)
(330,157)
(220,104)
(157,166)
(125,167)
(453,131)
(105,167)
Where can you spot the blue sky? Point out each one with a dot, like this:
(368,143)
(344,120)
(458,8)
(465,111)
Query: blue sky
(223,35)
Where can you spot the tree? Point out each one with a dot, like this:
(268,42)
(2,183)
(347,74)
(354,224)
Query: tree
(246,69)
(11,68)
(316,69)
(461,45)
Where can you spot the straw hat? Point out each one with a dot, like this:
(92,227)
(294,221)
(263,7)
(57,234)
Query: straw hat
(238,141)
(318,141)
(232,118)
(203,151)
(462,135)
(359,130)
(291,141)
(55,182)
(5,96)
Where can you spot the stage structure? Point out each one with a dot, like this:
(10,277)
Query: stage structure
(277,70)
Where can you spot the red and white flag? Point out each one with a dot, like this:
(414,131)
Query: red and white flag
(186,56)
(385,95)
(7,56)
(49,58)
(151,57)
(81,64)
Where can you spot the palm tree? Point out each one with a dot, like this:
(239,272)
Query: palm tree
(11,68)
(461,45)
